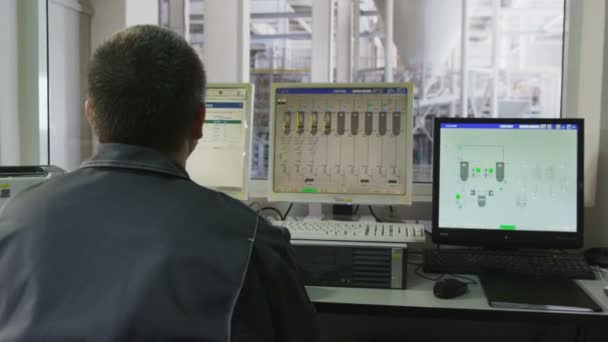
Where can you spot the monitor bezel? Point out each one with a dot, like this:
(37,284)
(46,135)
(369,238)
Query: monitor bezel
(367,199)
(501,238)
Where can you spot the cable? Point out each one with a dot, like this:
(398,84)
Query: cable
(272,209)
(417,272)
(602,273)
(356,210)
(287,212)
(470,281)
(378,219)
(371,211)
(282,217)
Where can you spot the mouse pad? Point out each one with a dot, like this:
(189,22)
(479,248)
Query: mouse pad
(522,292)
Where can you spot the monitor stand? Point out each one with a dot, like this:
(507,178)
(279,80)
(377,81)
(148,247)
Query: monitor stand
(340,212)
(344,212)
(315,212)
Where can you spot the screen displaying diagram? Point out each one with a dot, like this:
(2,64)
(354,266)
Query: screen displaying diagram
(341,140)
(511,177)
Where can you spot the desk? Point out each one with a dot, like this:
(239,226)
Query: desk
(418,302)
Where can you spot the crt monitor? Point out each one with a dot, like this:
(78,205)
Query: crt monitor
(509,183)
(221,158)
(341,143)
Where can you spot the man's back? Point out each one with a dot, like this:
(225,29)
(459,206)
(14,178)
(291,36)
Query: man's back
(128,248)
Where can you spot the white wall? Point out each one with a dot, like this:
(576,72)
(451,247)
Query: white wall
(597,217)
(583,81)
(23,82)
(69,51)
(9,105)
(139,12)
(226,52)
(109,16)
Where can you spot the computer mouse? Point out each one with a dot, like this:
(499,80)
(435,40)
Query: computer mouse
(449,288)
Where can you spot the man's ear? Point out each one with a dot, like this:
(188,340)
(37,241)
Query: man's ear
(199,120)
(88,112)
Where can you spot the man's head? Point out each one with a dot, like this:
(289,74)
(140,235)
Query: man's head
(146,87)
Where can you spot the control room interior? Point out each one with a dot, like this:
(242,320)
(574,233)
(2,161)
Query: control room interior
(454,59)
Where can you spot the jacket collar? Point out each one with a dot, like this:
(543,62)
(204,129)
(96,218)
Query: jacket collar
(135,157)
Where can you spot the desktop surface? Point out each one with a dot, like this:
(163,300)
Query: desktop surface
(418,298)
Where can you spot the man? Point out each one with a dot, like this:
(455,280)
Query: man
(128,248)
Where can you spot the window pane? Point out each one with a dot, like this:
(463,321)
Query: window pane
(281,33)
(513,63)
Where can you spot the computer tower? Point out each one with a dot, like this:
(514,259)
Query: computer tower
(352,264)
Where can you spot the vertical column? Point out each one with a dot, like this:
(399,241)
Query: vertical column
(140,12)
(590,92)
(226,53)
(343,41)
(321,66)
(495,55)
(356,38)
(33,82)
(9,103)
(109,16)
(389,51)
(464,65)
(70,139)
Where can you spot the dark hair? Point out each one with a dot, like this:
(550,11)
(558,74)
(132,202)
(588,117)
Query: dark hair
(145,84)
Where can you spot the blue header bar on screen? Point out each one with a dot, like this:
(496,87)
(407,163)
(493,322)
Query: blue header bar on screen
(528,126)
(348,91)
(224,105)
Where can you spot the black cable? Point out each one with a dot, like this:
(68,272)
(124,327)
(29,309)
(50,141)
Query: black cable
(272,209)
(371,211)
(282,217)
(287,212)
(470,281)
(417,272)
(356,210)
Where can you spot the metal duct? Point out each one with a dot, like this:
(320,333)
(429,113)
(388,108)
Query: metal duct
(425,31)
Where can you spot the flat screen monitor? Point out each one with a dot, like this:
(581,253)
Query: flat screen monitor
(508,182)
(341,143)
(221,158)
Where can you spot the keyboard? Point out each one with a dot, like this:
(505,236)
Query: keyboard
(538,264)
(354,231)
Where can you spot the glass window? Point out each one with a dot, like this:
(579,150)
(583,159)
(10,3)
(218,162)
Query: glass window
(281,42)
(511,62)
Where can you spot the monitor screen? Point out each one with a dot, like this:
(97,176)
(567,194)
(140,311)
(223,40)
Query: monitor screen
(221,158)
(341,143)
(508,175)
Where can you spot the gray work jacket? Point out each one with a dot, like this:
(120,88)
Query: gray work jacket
(128,248)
